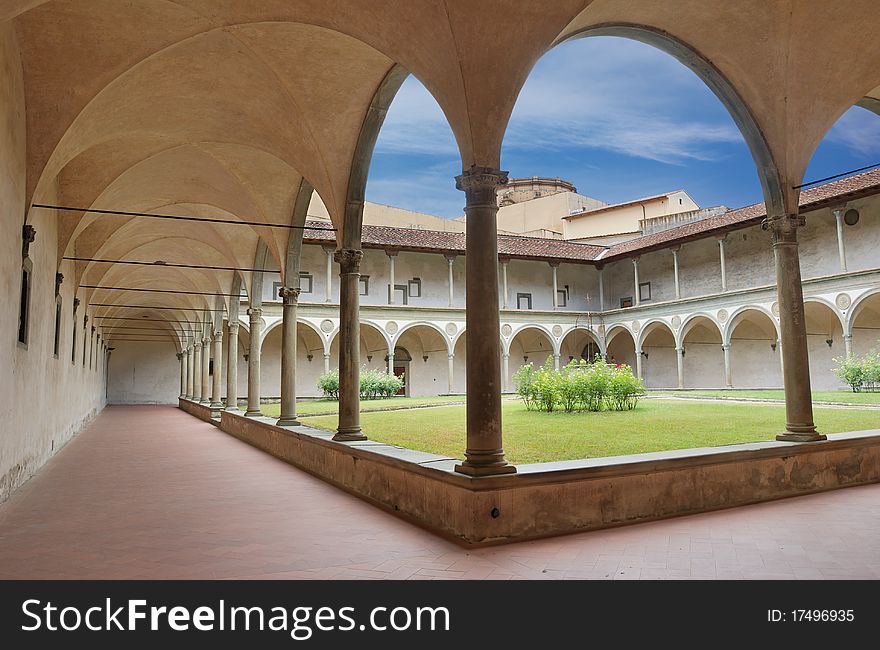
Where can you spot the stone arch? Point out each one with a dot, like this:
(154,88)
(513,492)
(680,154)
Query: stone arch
(579,343)
(620,346)
(430,349)
(701,343)
(824,342)
(532,344)
(864,323)
(375,344)
(776,196)
(755,358)
(656,343)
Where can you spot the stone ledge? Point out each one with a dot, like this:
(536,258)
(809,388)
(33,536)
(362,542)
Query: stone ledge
(570,496)
(201,411)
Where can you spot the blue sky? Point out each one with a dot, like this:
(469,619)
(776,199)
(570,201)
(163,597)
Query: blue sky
(618,118)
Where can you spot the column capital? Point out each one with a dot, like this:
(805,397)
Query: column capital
(255,313)
(450,257)
(218,335)
(783,228)
(450,355)
(289,295)
(480,183)
(391,252)
(721,238)
(675,249)
(635,260)
(59,278)
(76,303)
(180,356)
(725,346)
(554,263)
(85,320)
(349,259)
(28,235)
(93,329)
(233,326)
(206,341)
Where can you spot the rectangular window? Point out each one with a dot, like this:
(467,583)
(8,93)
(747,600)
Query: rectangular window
(626,302)
(25,302)
(364,284)
(644,291)
(523,301)
(400,294)
(305,282)
(57,344)
(415,288)
(562,297)
(276,287)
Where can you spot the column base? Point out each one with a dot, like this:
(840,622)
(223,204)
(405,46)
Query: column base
(485,470)
(217,405)
(788,436)
(349,436)
(206,402)
(288,422)
(252,414)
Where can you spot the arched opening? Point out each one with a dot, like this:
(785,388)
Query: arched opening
(579,343)
(530,345)
(270,364)
(428,372)
(309,360)
(824,343)
(400,366)
(755,357)
(374,348)
(703,360)
(459,365)
(621,347)
(659,365)
(865,325)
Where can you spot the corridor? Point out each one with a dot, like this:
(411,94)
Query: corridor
(151,492)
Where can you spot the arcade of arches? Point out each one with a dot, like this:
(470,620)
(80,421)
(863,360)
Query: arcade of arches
(275,105)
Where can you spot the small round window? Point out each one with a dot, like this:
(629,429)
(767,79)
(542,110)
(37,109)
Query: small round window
(851,217)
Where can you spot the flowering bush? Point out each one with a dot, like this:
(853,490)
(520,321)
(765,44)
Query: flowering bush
(375,384)
(580,386)
(859,373)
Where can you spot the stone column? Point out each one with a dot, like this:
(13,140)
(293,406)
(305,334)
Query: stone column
(636,300)
(679,360)
(799,426)
(232,368)
(349,427)
(554,267)
(721,241)
(675,270)
(85,337)
(329,289)
(601,289)
(91,346)
(197,371)
(391,255)
(847,344)
(190,369)
(450,372)
(289,298)
(206,372)
(326,362)
(728,377)
(485,453)
(182,358)
(450,259)
(216,394)
(390,361)
(639,363)
(556,361)
(841,250)
(505,297)
(505,371)
(256,323)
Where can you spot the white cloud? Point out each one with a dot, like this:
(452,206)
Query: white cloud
(859,131)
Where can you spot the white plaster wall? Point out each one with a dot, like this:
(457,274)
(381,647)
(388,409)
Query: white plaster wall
(144,373)
(749,259)
(699,264)
(46,400)
(524,276)
(703,359)
(619,283)
(433,271)
(817,245)
(861,239)
(657,268)
(314,260)
(660,368)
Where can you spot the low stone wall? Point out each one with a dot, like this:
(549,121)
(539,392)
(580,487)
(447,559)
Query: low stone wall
(555,498)
(201,411)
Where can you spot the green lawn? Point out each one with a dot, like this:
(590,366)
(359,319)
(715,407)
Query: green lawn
(331,407)
(655,425)
(818,395)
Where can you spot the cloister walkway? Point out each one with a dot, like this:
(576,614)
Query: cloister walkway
(151,492)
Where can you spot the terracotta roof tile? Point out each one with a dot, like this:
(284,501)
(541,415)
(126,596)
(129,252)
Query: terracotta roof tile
(514,246)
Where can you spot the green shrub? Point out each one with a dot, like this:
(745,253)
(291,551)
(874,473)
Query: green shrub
(375,384)
(579,386)
(329,384)
(859,373)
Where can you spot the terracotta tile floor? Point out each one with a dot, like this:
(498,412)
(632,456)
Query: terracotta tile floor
(150,492)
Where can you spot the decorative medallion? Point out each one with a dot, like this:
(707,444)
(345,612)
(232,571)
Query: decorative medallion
(557,331)
(327,325)
(676,322)
(843,301)
(775,309)
(506,330)
(722,315)
(636,326)
(391,327)
(451,329)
